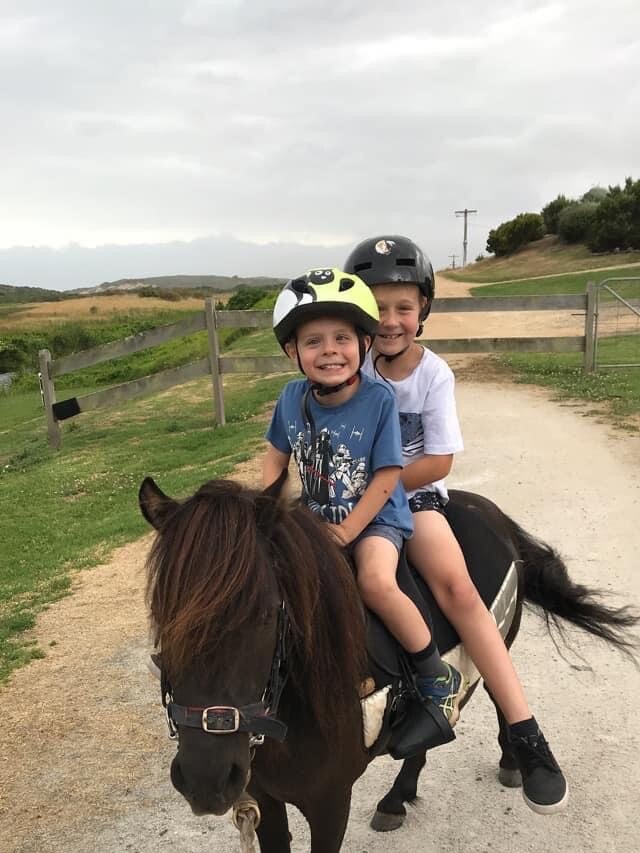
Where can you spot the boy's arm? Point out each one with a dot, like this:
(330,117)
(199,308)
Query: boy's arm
(373,499)
(426,470)
(275,462)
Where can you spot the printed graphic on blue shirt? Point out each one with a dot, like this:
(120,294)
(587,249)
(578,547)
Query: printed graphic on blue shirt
(338,458)
(332,479)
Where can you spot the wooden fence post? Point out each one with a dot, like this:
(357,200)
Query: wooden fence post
(49,397)
(590,328)
(214,359)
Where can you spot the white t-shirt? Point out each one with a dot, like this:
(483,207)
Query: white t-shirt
(428,418)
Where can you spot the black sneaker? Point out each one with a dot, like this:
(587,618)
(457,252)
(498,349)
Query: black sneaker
(544,787)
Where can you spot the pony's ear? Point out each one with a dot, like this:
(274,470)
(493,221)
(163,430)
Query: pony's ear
(268,504)
(154,504)
(274,490)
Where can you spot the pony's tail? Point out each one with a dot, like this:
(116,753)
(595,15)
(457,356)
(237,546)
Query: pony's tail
(549,588)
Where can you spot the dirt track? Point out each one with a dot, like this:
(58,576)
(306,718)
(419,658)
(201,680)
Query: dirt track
(84,757)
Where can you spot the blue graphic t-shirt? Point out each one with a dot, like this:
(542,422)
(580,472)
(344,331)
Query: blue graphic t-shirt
(351,442)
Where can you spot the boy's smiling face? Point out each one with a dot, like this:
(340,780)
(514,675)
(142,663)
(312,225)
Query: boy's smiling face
(328,349)
(400,306)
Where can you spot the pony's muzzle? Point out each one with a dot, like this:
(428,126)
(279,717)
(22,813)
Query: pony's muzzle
(209,792)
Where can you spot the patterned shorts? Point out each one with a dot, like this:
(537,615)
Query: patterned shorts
(425,500)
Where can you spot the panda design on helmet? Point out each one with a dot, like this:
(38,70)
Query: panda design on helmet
(324,293)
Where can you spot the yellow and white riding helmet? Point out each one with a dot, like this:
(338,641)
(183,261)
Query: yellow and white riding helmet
(324,293)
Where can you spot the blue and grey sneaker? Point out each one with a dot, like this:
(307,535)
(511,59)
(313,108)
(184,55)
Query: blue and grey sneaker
(445,691)
(544,787)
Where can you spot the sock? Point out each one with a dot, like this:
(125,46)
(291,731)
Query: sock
(524,728)
(428,662)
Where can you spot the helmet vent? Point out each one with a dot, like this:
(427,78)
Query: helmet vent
(345,284)
(366,265)
(406,262)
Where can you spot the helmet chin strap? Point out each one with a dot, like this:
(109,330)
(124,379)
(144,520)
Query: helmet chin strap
(325,390)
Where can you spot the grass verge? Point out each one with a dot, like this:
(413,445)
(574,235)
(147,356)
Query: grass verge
(66,511)
(566,283)
(618,389)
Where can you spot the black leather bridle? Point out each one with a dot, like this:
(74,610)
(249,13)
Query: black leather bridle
(258,719)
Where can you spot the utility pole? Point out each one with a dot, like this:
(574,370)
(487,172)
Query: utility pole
(465,213)
(453,261)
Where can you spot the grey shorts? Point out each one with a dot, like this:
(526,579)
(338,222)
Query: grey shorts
(392,534)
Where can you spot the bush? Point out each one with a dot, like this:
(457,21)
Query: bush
(511,235)
(595,194)
(245,297)
(552,211)
(616,222)
(576,220)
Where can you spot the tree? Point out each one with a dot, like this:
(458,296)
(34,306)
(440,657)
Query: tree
(595,194)
(511,235)
(551,212)
(616,223)
(576,220)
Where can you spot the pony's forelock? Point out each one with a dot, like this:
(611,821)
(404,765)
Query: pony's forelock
(210,575)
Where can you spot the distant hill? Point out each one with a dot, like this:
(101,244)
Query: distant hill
(193,283)
(221,283)
(10,294)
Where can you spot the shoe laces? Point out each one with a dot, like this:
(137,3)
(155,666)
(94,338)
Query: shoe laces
(537,752)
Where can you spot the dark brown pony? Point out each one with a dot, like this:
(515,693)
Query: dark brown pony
(226,564)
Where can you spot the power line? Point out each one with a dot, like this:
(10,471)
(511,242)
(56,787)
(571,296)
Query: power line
(453,261)
(464,213)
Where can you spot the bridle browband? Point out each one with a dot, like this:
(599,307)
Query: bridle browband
(258,719)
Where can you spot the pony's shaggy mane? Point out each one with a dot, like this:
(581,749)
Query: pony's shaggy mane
(212,571)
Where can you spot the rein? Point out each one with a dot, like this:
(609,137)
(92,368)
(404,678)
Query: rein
(258,719)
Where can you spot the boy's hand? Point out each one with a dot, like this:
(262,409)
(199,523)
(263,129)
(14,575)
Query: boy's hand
(339,534)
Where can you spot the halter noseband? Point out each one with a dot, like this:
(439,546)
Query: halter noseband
(258,719)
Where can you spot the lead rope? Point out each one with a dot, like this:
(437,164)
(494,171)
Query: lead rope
(246,819)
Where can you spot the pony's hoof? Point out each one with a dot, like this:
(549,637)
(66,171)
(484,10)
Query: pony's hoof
(382,822)
(510,778)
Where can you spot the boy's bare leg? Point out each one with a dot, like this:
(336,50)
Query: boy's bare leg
(435,552)
(376,562)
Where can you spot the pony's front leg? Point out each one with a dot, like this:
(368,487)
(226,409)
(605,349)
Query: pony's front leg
(390,811)
(327,815)
(273,829)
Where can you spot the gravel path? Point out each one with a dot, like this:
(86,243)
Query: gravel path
(84,757)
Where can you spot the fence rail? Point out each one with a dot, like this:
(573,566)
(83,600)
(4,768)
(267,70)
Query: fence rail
(217,365)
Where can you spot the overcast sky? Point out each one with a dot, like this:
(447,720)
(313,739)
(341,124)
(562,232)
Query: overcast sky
(288,121)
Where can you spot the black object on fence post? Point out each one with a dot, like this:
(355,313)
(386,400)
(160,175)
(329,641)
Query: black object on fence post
(590,321)
(49,395)
(214,359)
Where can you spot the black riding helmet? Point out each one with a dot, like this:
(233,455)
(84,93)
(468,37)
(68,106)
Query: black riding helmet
(393,259)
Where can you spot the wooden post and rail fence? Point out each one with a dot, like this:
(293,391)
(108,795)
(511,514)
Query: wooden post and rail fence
(217,365)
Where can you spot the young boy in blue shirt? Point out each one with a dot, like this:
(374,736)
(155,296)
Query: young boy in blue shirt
(344,432)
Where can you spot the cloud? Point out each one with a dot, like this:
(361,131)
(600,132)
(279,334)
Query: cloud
(307,121)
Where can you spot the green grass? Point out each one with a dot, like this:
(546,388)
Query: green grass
(618,388)
(19,348)
(567,283)
(65,511)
